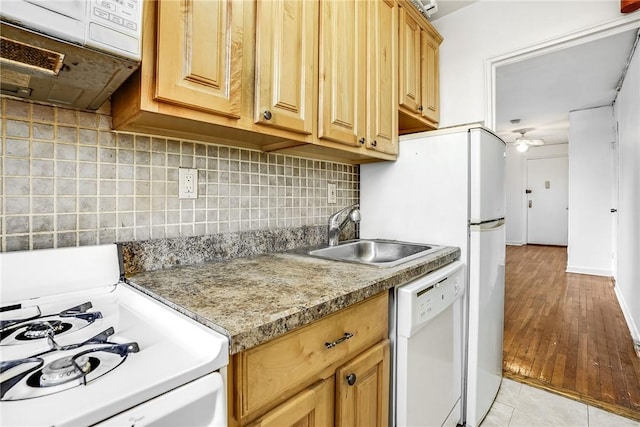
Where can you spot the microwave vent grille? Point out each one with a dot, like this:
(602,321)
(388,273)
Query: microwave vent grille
(37,58)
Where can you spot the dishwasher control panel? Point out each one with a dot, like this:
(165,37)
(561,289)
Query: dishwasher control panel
(423,299)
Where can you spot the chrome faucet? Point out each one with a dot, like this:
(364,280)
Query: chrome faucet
(335,228)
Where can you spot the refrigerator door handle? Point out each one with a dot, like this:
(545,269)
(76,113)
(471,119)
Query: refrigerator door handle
(487,226)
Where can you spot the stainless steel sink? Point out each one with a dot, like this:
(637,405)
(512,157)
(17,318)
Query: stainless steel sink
(381,253)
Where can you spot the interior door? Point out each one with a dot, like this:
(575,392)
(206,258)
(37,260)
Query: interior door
(547,201)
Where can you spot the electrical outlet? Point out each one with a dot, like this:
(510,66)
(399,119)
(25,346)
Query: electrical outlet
(187,183)
(332,193)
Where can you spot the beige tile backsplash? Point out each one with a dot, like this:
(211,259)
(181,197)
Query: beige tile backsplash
(68,180)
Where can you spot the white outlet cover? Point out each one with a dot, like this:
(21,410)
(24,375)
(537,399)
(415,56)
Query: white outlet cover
(332,196)
(187,183)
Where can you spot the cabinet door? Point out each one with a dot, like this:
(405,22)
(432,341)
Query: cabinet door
(199,54)
(382,109)
(409,46)
(312,407)
(285,52)
(342,71)
(430,79)
(362,389)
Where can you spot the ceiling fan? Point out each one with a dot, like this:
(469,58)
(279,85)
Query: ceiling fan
(522,143)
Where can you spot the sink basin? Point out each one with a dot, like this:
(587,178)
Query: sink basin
(381,253)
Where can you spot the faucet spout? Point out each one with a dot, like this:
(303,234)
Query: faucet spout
(335,227)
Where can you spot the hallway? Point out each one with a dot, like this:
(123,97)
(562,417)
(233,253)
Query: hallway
(566,333)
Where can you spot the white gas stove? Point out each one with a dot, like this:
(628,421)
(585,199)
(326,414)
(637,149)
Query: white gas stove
(78,346)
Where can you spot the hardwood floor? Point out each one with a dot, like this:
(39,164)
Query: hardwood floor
(566,333)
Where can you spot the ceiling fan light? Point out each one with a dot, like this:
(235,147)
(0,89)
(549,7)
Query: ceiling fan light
(522,147)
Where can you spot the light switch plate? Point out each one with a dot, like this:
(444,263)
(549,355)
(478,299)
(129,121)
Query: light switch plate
(187,183)
(332,196)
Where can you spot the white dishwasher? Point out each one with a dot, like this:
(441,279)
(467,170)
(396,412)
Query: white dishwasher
(428,349)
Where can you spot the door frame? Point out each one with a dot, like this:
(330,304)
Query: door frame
(525,179)
(610,28)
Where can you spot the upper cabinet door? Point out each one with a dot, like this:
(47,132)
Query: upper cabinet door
(285,52)
(410,54)
(199,54)
(430,84)
(342,71)
(382,108)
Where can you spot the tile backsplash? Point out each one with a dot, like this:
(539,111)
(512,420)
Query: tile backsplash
(68,179)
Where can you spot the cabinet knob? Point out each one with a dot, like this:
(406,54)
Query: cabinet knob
(374,143)
(362,141)
(351,379)
(420,108)
(267,115)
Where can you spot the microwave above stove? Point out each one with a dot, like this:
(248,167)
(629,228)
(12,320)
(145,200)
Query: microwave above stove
(74,53)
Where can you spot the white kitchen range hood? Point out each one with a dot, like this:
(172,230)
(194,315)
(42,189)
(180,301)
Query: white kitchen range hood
(71,53)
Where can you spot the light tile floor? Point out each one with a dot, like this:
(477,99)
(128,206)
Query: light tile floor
(520,405)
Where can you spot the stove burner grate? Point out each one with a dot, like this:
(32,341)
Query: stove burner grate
(38,330)
(63,370)
(39,327)
(61,367)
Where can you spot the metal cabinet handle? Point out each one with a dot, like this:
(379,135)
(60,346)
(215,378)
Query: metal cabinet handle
(362,141)
(267,115)
(351,379)
(374,143)
(420,108)
(346,336)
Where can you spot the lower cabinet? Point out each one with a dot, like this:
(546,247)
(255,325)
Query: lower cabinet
(362,389)
(334,371)
(311,407)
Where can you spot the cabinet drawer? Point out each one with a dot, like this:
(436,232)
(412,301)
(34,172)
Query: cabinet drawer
(274,370)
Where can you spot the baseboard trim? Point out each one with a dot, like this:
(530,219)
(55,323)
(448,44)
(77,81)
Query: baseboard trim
(633,328)
(515,243)
(589,271)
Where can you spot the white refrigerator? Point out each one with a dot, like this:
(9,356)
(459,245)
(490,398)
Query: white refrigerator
(448,187)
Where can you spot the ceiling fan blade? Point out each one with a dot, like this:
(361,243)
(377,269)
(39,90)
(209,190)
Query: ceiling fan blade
(535,142)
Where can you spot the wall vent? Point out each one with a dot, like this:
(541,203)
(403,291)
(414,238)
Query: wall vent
(21,54)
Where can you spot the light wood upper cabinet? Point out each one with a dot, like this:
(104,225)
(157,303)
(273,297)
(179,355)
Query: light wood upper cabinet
(357,85)
(410,64)
(419,92)
(382,110)
(362,389)
(199,63)
(286,46)
(343,68)
(429,48)
(312,78)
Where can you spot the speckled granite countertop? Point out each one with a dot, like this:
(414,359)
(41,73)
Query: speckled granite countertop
(255,299)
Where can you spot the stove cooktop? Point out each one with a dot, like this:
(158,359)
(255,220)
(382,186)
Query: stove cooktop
(81,357)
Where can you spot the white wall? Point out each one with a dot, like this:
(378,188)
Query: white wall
(516,175)
(591,137)
(627,111)
(490,28)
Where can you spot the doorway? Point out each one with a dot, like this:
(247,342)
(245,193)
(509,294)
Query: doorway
(547,201)
(561,360)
